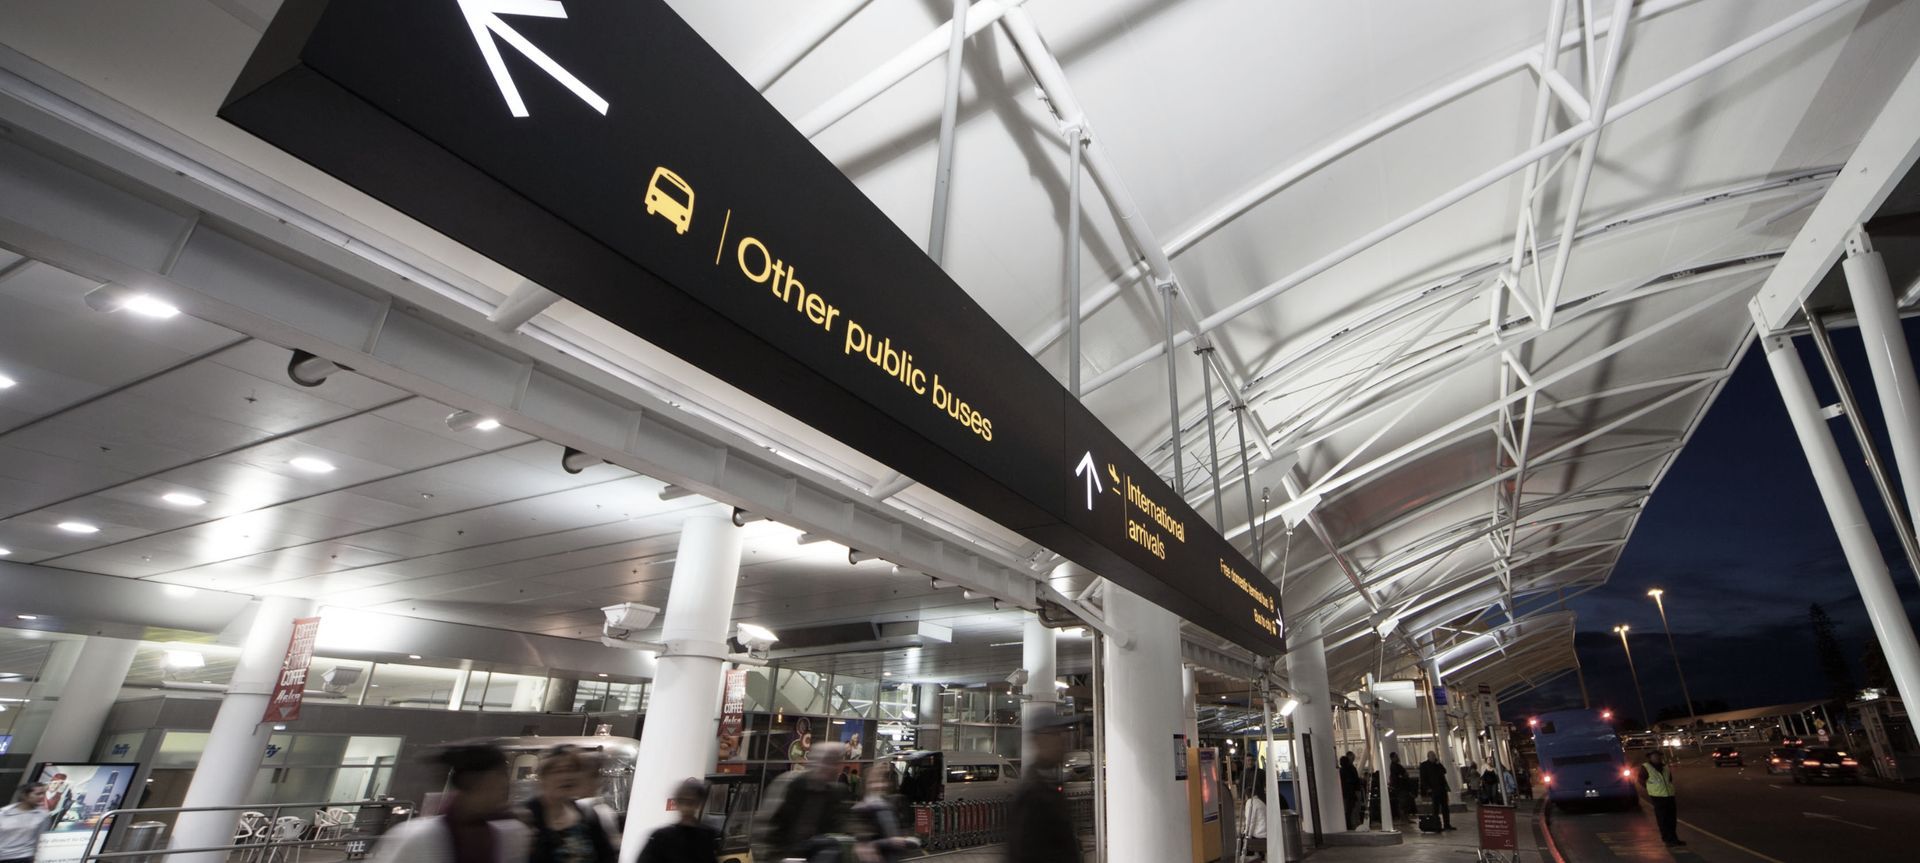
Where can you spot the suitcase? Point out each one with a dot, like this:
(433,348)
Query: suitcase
(1429,823)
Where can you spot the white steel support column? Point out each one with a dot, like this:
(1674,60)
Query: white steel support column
(1376,717)
(1145,803)
(1889,619)
(1893,375)
(73,727)
(926,711)
(1307,672)
(1037,651)
(1443,729)
(689,677)
(238,739)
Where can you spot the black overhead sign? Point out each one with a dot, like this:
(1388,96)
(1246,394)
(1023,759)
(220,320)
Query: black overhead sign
(603,150)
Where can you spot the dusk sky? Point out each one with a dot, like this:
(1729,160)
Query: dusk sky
(1738,537)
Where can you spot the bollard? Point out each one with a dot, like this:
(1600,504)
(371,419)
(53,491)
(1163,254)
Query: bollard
(142,836)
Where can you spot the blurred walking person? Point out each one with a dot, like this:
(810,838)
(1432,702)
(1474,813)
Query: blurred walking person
(1040,825)
(475,826)
(875,820)
(802,806)
(569,825)
(22,823)
(686,840)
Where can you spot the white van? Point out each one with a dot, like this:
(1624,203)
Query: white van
(930,777)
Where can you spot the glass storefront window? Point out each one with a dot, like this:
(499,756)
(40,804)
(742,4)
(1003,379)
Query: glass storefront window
(371,750)
(760,690)
(524,693)
(418,686)
(854,696)
(180,749)
(800,692)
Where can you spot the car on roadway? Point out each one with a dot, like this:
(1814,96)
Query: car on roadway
(1726,755)
(1826,765)
(1781,759)
(1792,742)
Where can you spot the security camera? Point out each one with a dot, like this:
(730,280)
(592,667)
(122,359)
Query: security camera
(1018,679)
(339,677)
(626,618)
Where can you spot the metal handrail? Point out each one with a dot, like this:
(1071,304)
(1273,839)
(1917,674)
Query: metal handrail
(109,818)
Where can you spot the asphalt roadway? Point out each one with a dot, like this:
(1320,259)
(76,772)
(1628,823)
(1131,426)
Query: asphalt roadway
(1743,815)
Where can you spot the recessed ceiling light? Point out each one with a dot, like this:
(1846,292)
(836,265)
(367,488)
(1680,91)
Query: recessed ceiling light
(77,527)
(180,498)
(186,659)
(150,306)
(28,616)
(6,382)
(4,551)
(603,674)
(311,464)
(487,424)
(413,656)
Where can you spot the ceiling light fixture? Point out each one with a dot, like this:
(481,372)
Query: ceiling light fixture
(77,527)
(603,674)
(469,421)
(311,464)
(185,659)
(180,498)
(413,656)
(179,591)
(151,307)
(114,298)
(28,616)
(6,383)
(4,551)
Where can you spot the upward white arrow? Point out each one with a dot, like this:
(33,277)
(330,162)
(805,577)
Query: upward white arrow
(1093,477)
(484,17)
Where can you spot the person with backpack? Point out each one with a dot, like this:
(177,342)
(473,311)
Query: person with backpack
(569,825)
(1253,824)
(686,840)
(474,826)
(803,808)
(1433,780)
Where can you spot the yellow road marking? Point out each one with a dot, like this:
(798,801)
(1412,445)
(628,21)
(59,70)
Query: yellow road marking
(1730,842)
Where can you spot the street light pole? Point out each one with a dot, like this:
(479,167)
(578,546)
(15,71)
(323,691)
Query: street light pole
(1645,717)
(1692,717)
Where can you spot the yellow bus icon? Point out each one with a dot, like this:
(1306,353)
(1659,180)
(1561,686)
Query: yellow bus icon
(671,198)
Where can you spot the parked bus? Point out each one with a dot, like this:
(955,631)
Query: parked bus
(1581,760)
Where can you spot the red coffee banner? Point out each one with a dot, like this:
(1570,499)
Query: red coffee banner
(733,724)
(284,706)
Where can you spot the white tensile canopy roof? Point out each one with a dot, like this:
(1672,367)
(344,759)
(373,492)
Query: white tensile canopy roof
(1459,438)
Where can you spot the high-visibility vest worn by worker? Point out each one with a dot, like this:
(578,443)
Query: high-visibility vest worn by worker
(1659,782)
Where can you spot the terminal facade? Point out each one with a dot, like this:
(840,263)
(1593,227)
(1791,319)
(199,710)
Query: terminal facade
(705,383)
